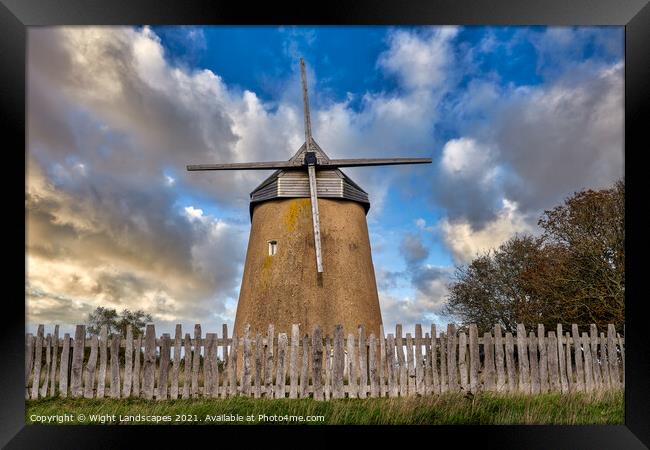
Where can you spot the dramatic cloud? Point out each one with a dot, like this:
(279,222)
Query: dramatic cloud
(565,137)
(531,145)
(467,242)
(111,127)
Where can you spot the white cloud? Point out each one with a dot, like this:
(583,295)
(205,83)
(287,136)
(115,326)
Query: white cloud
(420,60)
(466,242)
(466,158)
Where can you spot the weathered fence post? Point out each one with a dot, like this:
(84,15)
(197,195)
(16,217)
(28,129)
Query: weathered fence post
(543,359)
(553,373)
(63,367)
(214,366)
(29,360)
(622,346)
(149,365)
(510,363)
(187,345)
(612,356)
(232,366)
(434,360)
(569,368)
(55,351)
(598,378)
(452,364)
(372,361)
(259,365)
(564,384)
(363,363)
(589,374)
(304,369)
(317,364)
(393,389)
(280,377)
(293,361)
(410,366)
(196,360)
(268,368)
(103,361)
(128,362)
(224,333)
(48,365)
(136,366)
(352,367)
(462,361)
(208,345)
(474,359)
(604,361)
(338,362)
(419,366)
(77,361)
(534,365)
(38,357)
(328,368)
(499,357)
(580,375)
(164,366)
(246,373)
(115,365)
(522,356)
(428,375)
(90,368)
(208,366)
(488,349)
(401,361)
(178,336)
(444,373)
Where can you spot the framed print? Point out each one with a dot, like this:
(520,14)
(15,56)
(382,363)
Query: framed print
(376,215)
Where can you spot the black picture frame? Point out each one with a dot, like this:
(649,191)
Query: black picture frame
(16,15)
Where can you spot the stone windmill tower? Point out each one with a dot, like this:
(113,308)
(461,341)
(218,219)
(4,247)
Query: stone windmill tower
(308,260)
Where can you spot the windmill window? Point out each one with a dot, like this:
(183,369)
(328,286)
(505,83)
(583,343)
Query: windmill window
(273,247)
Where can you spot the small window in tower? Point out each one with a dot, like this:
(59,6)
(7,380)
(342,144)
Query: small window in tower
(273,247)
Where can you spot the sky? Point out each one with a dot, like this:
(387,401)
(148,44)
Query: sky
(516,119)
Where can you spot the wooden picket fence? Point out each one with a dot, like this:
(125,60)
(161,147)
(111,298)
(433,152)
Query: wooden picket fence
(275,366)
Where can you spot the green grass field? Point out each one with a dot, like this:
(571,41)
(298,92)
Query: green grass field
(487,408)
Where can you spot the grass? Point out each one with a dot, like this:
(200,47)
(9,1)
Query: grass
(483,409)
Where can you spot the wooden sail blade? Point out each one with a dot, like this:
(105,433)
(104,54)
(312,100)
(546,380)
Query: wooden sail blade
(377,162)
(315,217)
(264,165)
(305,99)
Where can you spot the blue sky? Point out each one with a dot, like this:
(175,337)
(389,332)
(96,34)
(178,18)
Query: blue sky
(515,118)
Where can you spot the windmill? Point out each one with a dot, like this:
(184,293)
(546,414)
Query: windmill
(310,173)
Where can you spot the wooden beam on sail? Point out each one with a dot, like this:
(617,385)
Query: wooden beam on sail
(376,162)
(245,166)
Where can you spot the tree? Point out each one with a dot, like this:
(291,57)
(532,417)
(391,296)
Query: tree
(102,317)
(590,230)
(493,288)
(117,323)
(137,319)
(573,273)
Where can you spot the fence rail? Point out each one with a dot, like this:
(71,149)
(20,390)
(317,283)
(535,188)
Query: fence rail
(323,367)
